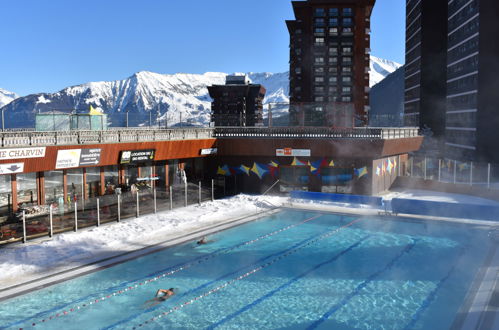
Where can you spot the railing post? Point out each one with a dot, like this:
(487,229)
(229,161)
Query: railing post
(488,176)
(24,226)
(98,212)
(171,198)
(212,190)
(137,197)
(154,196)
(185,193)
(471,173)
(51,227)
(412,166)
(439,170)
(199,193)
(76,217)
(455,171)
(119,207)
(425,162)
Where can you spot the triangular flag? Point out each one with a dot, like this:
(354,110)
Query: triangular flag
(273,164)
(361,172)
(226,169)
(94,112)
(378,170)
(220,171)
(259,170)
(297,162)
(389,166)
(273,171)
(244,169)
(331,163)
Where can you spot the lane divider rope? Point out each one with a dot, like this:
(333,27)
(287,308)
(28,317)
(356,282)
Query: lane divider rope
(243,276)
(169,273)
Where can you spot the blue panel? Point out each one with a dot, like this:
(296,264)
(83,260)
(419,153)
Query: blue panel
(339,198)
(442,209)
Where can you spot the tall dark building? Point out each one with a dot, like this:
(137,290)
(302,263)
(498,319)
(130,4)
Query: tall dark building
(425,64)
(329,62)
(472,118)
(237,103)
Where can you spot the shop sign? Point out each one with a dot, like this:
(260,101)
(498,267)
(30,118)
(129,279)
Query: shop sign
(90,157)
(20,153)
(68,158)
(154,178)
(289,152)
(212,151)
(11,168)
(137,156)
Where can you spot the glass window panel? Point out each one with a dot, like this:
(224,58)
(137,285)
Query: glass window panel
(5,194)
(27,192)
(111,178)
(54,186)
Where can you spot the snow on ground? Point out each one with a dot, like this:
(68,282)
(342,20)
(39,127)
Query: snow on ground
(22,262)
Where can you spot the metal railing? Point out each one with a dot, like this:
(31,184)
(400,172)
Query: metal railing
(316,132)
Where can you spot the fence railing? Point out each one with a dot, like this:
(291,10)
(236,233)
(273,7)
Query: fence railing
(47,220)
(470,173)
(31,138)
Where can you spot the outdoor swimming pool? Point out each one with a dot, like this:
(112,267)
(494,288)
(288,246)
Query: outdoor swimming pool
(290,270)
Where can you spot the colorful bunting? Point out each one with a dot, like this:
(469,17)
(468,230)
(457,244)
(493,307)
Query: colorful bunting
(273,164)
(220,171)
(378,170)
(297,162)
(389,166)
(315,167)
(244,169)
(259,170)
(331,163)
(463,166)
(360,172)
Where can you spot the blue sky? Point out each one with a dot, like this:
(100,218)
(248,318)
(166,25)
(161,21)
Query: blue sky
(51,44)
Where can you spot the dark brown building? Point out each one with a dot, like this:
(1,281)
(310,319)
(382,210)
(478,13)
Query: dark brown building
(237,103)
(329,62)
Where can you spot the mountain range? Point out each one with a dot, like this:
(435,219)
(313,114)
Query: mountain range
(148,97)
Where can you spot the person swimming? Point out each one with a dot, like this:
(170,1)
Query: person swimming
(202,241)
(161,296)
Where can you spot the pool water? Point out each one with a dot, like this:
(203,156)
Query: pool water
(290,270)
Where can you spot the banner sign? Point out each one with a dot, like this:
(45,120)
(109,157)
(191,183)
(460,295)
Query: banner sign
(289,152)
(77,157)
(90,157)
(11,168)
(212,151)
(137,156)
(20,153)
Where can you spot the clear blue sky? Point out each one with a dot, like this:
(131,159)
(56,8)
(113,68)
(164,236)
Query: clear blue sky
(47,45)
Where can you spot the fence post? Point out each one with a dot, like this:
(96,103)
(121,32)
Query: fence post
(154,194)
(455,170)
(425,163)
(171,198)
(439,170)
(98,212)
(137,197)
(76,216)
(199,193)
(51,227)
(119,207)
(412,166)
(185,192)
(212,190)
(24,226)
(488,176)
(471,173)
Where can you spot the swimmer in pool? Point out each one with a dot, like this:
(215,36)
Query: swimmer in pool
(202,241)
(161,296)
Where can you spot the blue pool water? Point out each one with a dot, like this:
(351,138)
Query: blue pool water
(291,270)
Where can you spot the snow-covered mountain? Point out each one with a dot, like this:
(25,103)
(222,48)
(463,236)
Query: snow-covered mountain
(6,97)
(164,98)
(381,68)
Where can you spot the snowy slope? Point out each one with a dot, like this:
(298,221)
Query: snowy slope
(6,97)
(164,98)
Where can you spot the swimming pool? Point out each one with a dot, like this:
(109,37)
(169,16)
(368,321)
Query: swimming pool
(290,270)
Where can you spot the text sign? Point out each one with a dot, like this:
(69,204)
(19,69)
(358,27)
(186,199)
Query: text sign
(21,153)
(288,152)
(212,151)
(68,158)
(11,168)
(89,157)
(137,156)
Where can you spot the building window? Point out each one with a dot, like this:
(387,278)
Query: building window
(333,69)
(319,99)
(346,50)
(347,22)
(319,12)
(346,99)
(347,60)
(346,69)
(319,79)
(319,90)
(346,79)
(319,31)
(347,11)
(319,60)
(319,22)
(333,60)
(333,31)
(298,89)
(298,31)
(346,90)
(298,51)
(333,80)
(333,11)
(333,21)
(333,50)
(319,41)
(332,90)
(319,69)
(319,109)
(347,31)
(298,70)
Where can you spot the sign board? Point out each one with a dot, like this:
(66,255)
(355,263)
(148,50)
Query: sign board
(68,158)
(90,157)
(288,152)
(72,158)
(22,153)
(137,156)
(212,151)
(11,168)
